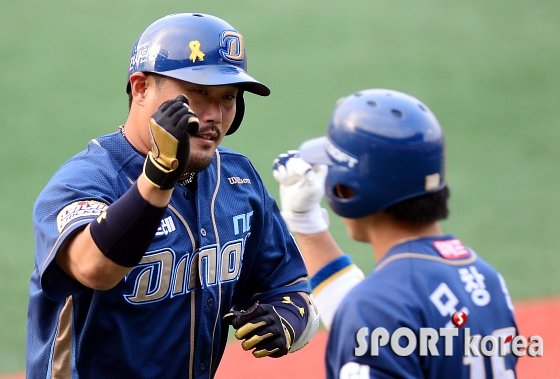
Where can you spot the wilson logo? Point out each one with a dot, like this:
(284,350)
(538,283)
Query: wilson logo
(238,180)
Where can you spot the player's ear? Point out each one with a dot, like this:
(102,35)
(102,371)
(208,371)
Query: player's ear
(138,87)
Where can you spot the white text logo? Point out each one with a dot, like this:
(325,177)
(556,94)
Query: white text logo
(500,343)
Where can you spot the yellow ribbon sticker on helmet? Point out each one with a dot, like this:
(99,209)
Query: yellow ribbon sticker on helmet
(195,51)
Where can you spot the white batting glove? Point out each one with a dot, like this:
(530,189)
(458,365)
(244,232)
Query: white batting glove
(302,186)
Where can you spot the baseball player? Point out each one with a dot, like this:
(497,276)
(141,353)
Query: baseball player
(152,241)
(382,169)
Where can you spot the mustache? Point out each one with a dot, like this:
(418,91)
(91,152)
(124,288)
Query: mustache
(210,128)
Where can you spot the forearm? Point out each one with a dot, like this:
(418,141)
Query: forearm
(154,195)
(99,267)
(81,259)
(332,272)
(318,250)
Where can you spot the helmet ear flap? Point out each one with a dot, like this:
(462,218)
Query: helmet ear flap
(349,194)
(239,112)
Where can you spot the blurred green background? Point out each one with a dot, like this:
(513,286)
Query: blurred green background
(490,71)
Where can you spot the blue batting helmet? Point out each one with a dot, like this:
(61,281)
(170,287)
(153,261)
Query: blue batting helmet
(196,48)
(383,147)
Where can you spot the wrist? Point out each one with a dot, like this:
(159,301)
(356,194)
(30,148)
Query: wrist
(159,176)
(293,312)
(151,193)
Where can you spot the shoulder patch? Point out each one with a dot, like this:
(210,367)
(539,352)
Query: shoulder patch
(82,208)
(451,249)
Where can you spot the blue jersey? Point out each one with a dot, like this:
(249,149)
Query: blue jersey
(219,247)
(418,284)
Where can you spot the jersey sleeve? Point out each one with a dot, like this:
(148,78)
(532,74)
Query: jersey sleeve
(75,195)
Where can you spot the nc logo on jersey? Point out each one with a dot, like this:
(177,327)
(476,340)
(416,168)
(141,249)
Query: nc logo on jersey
(232,47)
(242,223)
(78,209)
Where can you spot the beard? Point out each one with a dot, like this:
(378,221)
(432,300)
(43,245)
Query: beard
(198,162)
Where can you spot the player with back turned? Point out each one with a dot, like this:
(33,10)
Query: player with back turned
(382,169)
(151,242)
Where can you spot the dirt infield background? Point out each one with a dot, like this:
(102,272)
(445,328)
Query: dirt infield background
(535,317)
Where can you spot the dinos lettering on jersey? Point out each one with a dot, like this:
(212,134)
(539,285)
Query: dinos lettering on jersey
(159,276)
(232,47)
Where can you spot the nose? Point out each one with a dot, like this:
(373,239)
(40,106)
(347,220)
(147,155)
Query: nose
(210,111)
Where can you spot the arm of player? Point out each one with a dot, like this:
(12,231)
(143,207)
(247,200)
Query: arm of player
(302,186)
(81,259)
(332,273)
(102,253)
(330,285)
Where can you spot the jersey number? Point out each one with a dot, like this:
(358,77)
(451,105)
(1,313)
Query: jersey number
(475,359)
